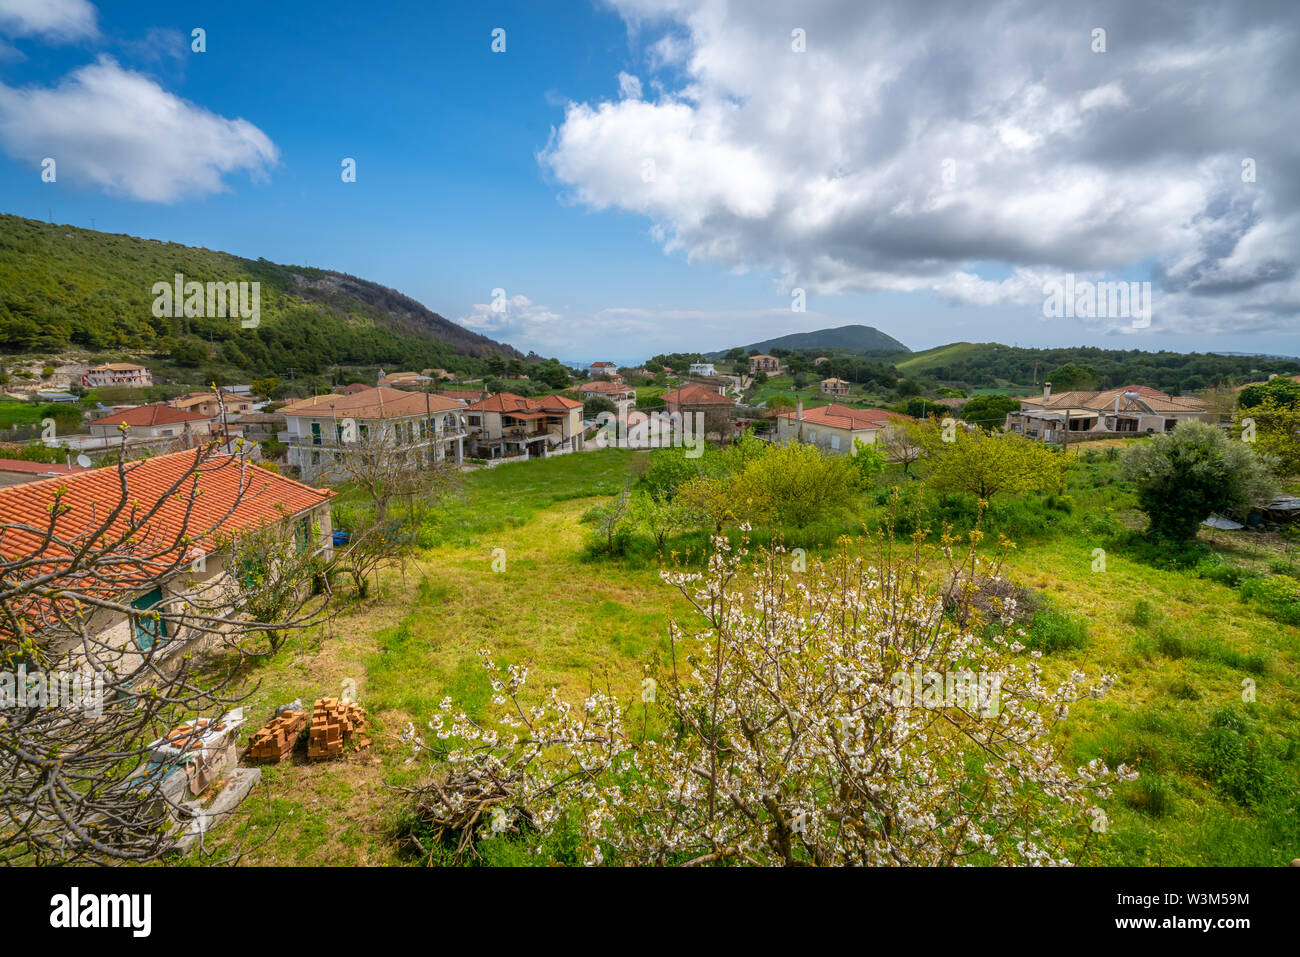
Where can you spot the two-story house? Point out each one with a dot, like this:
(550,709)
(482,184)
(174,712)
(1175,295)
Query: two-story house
(508,425)
(320,429)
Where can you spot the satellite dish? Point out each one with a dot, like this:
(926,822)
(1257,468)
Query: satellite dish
(83,460)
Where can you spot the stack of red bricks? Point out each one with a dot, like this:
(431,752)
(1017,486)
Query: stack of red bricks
(335,723)
(275,740)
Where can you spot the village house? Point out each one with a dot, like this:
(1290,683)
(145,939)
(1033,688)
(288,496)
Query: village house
(622,396)
(405,380)
(598,369)
(354,388)
(834,428)
(320,429)
(464,396)
(235,497)
(835,387)
(710,402)
(260,426)
(210,403)
(760,363)
(702,369)
(508,425)
(1130,410)
(116,373)
(153,423)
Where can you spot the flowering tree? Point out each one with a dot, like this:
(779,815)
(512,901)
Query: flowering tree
(834,717)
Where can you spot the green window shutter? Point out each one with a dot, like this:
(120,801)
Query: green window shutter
(146,629)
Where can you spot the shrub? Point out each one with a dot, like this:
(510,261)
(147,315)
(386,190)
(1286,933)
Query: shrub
(1053,629)
(1278,596)
(1144,613)
(1234,759)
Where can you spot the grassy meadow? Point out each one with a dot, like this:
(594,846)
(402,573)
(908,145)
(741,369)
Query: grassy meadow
(1188,636)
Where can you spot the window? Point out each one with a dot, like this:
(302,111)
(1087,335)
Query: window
(835,442)
(365,431)
(146,630)
(315,433)
(338,433)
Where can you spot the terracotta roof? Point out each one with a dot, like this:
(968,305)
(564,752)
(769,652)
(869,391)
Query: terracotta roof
(234,496)
(39,468)
(607,388)
(696,395)
(354,388)
(843,417)
(1154,399)
(609,365)
(117,367)
(509,402)
(378,403)
(160,414)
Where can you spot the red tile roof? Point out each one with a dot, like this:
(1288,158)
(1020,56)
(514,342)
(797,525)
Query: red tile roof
(163,515)
(695,395)
(160,414)
(378,403)
(354,388)
(605,388)
(843,417)
(39,468)
(509,402)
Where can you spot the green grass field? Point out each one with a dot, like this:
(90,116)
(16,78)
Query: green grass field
(1220,776)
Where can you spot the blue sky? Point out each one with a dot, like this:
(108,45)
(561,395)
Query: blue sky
(479,171)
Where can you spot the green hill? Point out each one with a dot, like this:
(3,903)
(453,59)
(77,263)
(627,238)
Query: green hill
(924,361)
(856,338)
(63,287)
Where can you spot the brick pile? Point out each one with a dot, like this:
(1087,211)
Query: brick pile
(335,723)
(275,740)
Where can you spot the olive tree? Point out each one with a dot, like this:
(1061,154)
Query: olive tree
(1184,476)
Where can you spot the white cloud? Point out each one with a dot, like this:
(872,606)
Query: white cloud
(57,20)
(119,130)
(826,168)
(629,87)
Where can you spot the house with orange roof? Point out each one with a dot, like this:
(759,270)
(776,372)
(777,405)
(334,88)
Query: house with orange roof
(117,373)
(185,508)
(833,386)
(764,363)
(835,428)
(153,423)
(621,395)
(210,404)
(506,425)
(320,430)
(1080,416)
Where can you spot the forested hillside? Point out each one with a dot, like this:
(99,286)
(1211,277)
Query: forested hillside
(63,287)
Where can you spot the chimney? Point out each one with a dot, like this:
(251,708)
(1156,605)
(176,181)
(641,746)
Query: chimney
(1047,391)
(798,410)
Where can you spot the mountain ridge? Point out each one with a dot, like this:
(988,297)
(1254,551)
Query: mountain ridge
(854,337)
